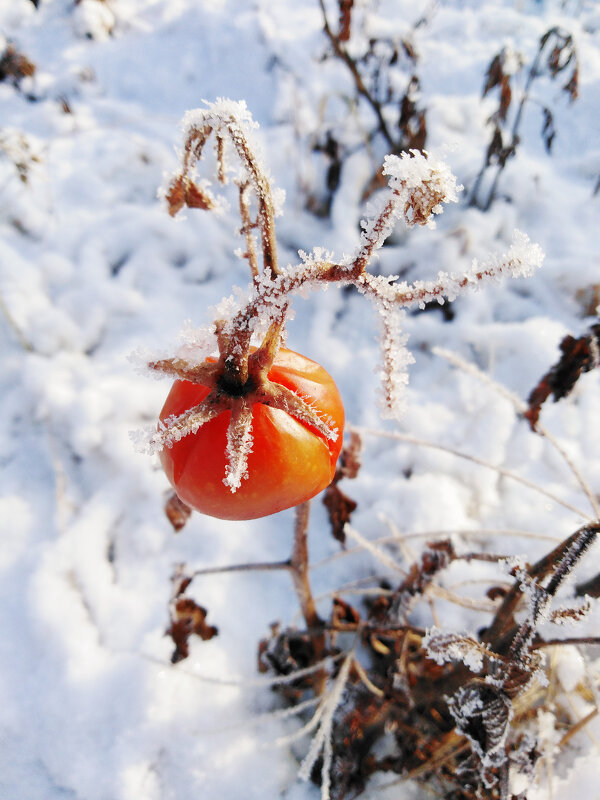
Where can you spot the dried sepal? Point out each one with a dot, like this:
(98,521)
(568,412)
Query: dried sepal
(174,429)
(285,400)
(205,373)
(239,445)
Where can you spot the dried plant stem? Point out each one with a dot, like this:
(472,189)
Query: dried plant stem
(260,566)
(521,407)
(193,147)
(248,229)
(362,90)
(299,568)
(557,564)
(402,437)
(580,725)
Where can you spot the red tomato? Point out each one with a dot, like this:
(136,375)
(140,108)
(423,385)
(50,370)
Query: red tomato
(290,461)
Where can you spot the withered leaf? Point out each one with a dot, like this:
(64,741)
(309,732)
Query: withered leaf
(572,85)
(196,198)
(15,66)
(578,356)
(495,147)
(548,130)
(343,613)
(345,19)
(183,192)
(340,508)
(177,512)
(505,96)
(494,73)
(175,197)
(188,618)
(349,463)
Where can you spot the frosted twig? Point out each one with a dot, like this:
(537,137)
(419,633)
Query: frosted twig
(372,548)
(324,732)
(276,715)
(520,261)
(402,437)
(231,119)
(521,407)
(277,680)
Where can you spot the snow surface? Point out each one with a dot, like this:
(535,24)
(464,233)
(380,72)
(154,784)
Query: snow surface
(92,269)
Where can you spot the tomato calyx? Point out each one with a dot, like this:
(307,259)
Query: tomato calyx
(236,382)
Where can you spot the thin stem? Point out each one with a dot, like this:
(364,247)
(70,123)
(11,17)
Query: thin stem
(342,53)
(521,408)
(500,470)
(262,566)
(299,568)
(247,230)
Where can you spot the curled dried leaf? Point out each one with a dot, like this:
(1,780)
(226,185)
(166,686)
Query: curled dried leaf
(188,618)
(340,508)
(177,512)
(578,356)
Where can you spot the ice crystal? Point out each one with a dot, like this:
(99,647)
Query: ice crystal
(421,184)
(396,360)
(175,428)
(445,647)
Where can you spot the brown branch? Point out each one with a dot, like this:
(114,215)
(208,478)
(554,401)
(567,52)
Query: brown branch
(299,568)
(247,229)
(342,53)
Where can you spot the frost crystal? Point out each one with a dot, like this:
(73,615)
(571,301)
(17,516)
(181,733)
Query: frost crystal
(239,447)
(445,647)
(422,183)
(396,359)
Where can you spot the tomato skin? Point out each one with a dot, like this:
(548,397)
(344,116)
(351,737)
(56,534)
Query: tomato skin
(290,462)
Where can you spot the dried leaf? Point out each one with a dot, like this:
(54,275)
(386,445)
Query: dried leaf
(196,198)
(578,356)
(177,512)
(340,508)
(345,19)
(572,85)
(15,66)
(183,192)
(188,618)
(495,147)
(548,130)
(344,614)
(505,96)
(349,462)
(494,74)
(175,196)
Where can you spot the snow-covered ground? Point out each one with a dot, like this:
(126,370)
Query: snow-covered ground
(93,269)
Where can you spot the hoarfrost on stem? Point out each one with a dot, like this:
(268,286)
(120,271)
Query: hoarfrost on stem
(418,186)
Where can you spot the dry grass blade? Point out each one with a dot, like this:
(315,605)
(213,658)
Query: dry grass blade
(521,408)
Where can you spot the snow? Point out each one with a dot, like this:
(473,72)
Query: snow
(93,269)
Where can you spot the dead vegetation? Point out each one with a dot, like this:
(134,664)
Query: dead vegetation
(456,711)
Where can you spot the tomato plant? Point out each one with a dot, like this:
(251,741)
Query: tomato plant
(290,461)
